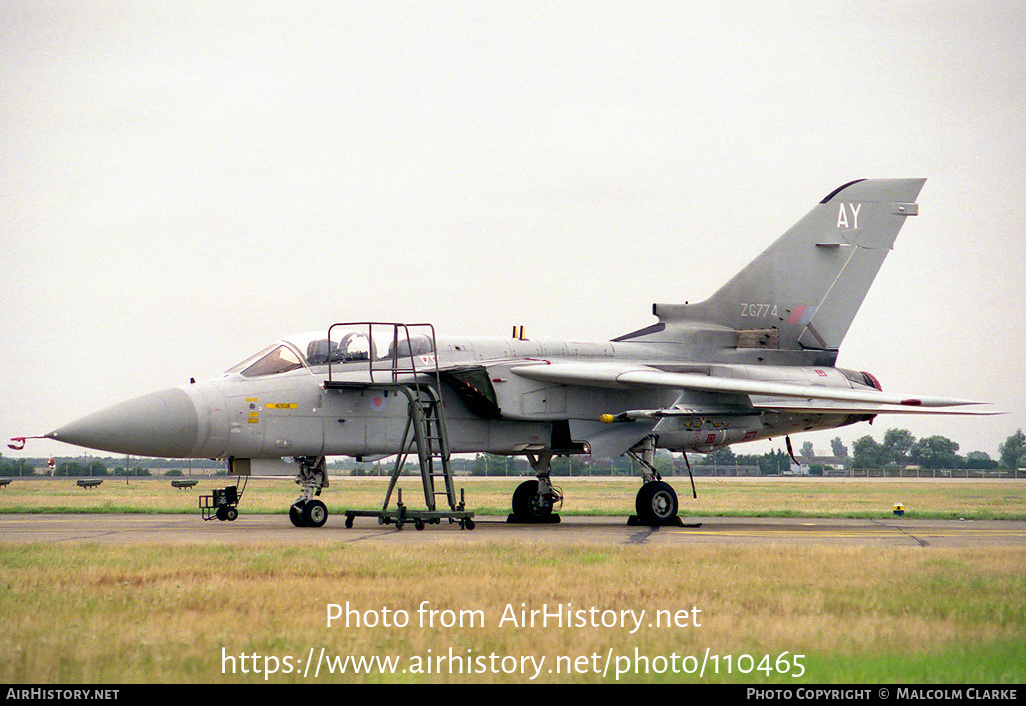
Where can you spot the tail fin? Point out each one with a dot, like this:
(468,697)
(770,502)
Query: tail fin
(809,284)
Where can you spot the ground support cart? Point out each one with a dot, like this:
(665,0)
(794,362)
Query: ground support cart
(222,504)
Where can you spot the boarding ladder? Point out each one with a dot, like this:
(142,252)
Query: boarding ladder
(411,368)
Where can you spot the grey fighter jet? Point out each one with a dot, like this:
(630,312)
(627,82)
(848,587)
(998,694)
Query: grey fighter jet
(755,360)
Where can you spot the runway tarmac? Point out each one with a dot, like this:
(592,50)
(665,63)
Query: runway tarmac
(271,529)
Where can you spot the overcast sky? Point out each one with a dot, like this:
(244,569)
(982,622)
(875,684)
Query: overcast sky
(183,183)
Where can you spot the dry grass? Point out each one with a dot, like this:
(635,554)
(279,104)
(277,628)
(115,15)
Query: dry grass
(154,614)
(109,614)
(978,499)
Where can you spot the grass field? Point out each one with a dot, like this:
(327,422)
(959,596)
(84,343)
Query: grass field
(822,497)
(101,614)
(85,613)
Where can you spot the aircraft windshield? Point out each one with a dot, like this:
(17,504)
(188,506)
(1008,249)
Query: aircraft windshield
(270,361)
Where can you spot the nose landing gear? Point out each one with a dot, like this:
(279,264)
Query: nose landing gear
(313,476)
(312,513)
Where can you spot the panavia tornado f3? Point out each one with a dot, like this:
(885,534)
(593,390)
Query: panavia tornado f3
(755,360)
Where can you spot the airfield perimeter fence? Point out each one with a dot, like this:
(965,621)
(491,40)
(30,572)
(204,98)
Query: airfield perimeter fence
(927,473)
(967,473)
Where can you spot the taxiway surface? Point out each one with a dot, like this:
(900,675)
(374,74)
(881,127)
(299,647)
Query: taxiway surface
(271,529)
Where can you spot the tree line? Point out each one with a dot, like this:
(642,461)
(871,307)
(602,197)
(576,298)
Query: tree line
(901,449)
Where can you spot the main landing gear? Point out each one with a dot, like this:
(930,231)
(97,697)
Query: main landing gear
(313,476)
(656,502)
(534,500)
(656,505)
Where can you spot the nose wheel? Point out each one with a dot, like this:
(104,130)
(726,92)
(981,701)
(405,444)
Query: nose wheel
(313,476)
(312,513)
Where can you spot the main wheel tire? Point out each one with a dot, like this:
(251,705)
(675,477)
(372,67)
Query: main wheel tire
(296,515)
(231,514)
(656,503)
(222,513)
(315,514)
(528,505)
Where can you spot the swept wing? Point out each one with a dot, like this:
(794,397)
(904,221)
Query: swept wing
(766,394)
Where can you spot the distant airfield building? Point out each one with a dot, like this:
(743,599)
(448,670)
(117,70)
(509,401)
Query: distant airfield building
(830,465)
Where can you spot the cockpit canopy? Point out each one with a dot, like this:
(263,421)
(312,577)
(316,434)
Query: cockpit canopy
(312,350)
(352,346)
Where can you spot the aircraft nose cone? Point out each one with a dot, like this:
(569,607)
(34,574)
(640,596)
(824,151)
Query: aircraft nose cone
(161,423)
